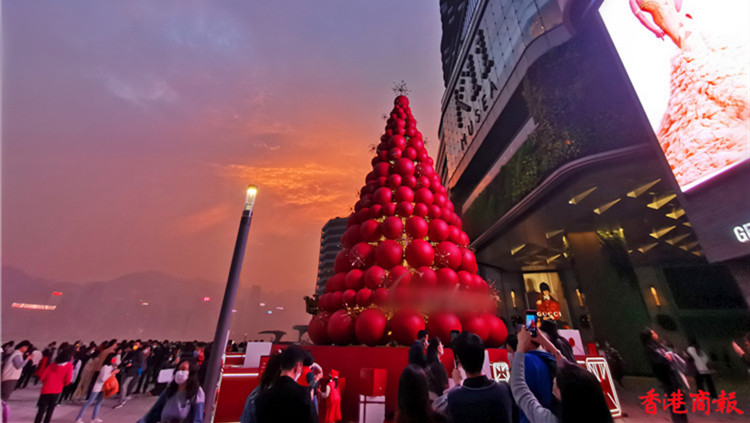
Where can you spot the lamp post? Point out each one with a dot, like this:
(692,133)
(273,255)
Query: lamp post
(225,316)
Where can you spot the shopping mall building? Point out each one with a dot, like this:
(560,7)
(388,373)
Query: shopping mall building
(559,158)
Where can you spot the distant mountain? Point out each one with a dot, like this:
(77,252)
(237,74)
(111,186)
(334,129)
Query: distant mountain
(138,305)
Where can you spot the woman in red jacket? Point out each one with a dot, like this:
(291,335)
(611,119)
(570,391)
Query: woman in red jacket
(54,379)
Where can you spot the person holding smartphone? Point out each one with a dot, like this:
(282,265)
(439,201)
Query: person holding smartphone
(539,365)
(577,393)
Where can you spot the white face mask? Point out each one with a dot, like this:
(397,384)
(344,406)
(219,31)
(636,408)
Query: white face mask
(181,376)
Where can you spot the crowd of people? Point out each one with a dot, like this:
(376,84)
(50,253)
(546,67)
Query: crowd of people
(86,374)
(546,385)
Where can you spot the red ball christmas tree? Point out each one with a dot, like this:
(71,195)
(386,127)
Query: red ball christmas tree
(405,264)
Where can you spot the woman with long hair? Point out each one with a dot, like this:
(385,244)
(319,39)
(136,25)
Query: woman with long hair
(580,395)
(437,377)
(267,379)
(414,404)
(182,401)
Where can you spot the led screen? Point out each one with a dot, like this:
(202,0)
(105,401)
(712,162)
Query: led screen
(688,62)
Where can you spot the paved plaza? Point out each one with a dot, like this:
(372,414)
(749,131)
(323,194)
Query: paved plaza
(23,406)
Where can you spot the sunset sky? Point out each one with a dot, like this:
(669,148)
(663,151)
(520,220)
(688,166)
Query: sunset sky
(131,128)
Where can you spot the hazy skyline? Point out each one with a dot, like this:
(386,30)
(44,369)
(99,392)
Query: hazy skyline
(131,128)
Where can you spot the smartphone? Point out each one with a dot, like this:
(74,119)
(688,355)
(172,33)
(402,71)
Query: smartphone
(531,322)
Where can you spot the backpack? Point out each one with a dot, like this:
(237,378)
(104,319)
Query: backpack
(110,387)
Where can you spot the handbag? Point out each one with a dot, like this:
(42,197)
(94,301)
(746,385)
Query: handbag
(111,386)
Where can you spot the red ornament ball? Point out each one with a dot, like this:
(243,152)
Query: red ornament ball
(336,300)
(364,297)
(392,227)
(394,181)
(441,324)
(435,212)
(403,167)
(424,277)
(423,195)
(336,282)
(476,324)
(318,328)
(439,230)
(447,254)
(409,181)
(351,236)
(355,279)
(341,328)
(349,297)
(397,141)
(468,261)
(447,278)
(342,262)
(404,194)
(369,230)
(388,254)
(370,327)
(389,209)
(382,195)
(381,169)
(398,276)
(374,277)
(380,297)
(405,324)
(402,101)
(421,210)
(405,209)
(419,253)
(416,227)
(362,255)
(498,333)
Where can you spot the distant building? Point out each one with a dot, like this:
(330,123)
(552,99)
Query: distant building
(330,245)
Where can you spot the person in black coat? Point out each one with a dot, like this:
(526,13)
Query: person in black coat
(416,351)
(286,400)
(666,369)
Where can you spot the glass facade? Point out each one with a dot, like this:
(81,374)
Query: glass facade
(504,32)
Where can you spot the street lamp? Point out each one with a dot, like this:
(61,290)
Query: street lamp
(225,317)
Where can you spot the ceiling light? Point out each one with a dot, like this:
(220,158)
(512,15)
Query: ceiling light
(676,213)
(676,240)
(643,188)
(578,198)
(553,258)
(647,247)
(689,246)
(658,233)
(516,249)
(604,207)
(661,201)
(552,234)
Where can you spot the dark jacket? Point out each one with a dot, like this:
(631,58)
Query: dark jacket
(539,373)
(285,402)
(480,400)
(416,354)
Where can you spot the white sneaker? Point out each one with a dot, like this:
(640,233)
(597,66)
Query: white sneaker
(80,421)
(97,420)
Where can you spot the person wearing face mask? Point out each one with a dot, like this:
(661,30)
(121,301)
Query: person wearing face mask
(437,377)
(286,400)
(182,401)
